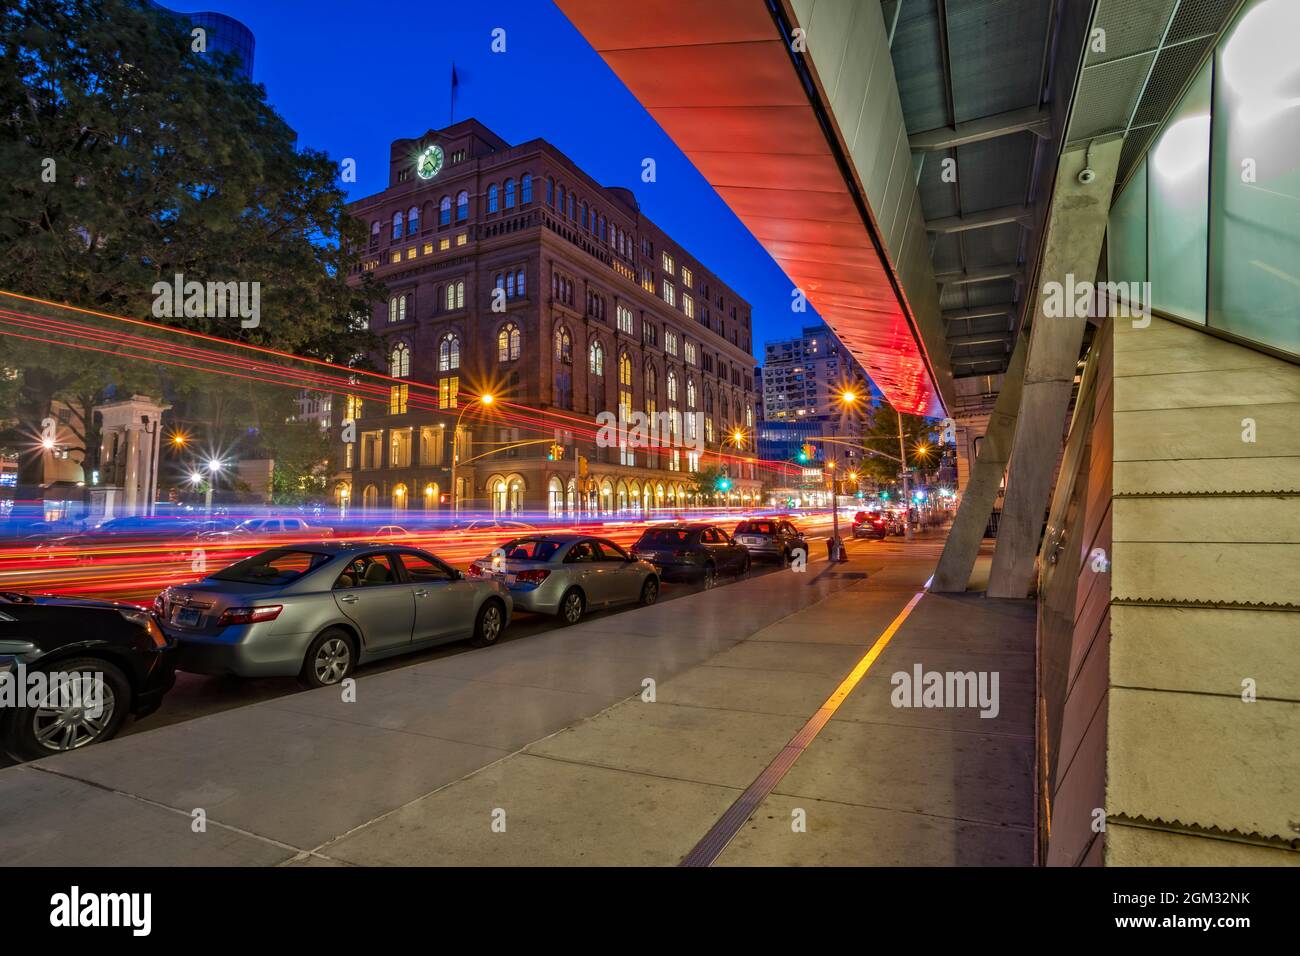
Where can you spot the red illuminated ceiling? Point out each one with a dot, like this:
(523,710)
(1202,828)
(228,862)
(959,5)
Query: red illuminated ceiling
(718,78)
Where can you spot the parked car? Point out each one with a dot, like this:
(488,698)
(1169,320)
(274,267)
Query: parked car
(390,531)
(772,538)
(569,574)
(317,611)
(870,524)
(102,663)
(492,525)
(691,551)
(297,527)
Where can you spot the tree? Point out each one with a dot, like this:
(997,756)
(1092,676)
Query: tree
(128,159)
(880,435)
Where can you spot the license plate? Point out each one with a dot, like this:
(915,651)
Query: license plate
(185,617)
(750,540)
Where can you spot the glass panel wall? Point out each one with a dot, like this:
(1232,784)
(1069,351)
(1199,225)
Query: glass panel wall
(1255,210)
(1178,191)
(1212,215)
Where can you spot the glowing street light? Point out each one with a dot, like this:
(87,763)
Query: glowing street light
(487,398)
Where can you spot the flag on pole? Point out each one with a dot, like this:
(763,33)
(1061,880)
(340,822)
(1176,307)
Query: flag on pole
(455,82)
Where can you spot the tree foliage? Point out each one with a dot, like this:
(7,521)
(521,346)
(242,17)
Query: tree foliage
(129,158)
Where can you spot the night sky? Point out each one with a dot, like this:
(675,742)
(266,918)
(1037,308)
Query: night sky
(351,77)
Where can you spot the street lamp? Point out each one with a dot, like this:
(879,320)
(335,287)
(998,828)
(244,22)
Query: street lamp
(486,398)
(848,399)
(214,467)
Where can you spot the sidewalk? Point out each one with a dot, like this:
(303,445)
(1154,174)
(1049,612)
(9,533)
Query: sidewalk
(549,738)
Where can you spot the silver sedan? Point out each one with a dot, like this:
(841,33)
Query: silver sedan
(317,611)
(568,574)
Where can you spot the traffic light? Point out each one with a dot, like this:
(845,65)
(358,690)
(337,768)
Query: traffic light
(555,453)
(806,452)
(723,484)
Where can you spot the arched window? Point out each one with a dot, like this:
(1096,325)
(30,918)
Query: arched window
(602,228)
(500,281)
(508,343)
(573,205)
(455,295)
(563,346)
(526,189)
(550,191)
(749,416)
(625,370)
(397,225)
(413,221)
(462,206)
(493,194)
(510,194)
(651,389)
(672,387)
(449,353)
(596,358)
(584,215)
(399,361)
(690,394)
(444,211)
(519,282)
(562,194)
(510,285)
(397,308)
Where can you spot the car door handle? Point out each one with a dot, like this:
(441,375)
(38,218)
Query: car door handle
(422,592)
(348,598)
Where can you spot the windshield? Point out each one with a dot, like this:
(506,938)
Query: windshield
(664,538)
(273,567)
(531,549)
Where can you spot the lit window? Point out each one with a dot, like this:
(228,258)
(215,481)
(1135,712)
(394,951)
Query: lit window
(397,395)
(460,240)
(410,253)
(596,359)
(670,293)
(448,391)
(508,343)
(688,306)
(625,319)
(687,277)
(668,263)
(444,244)
(396,256)
(449,353)
(428,248)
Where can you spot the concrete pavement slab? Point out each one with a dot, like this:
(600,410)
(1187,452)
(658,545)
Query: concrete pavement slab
(685,743)
(295,778)
(966,776)
(474,712)
(52,820)
(840,834)
(556,813)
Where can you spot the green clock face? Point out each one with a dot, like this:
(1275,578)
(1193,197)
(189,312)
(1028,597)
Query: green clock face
(430,162)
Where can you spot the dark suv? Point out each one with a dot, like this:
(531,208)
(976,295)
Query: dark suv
(692,552)
(772,538)
(870,524)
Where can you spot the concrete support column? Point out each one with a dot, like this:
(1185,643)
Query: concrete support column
(963,544)
(1072,248)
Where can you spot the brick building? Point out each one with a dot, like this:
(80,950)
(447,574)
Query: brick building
(512,273)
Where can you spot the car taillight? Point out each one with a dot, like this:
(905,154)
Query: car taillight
(249,615)
(532,576)
(475,570)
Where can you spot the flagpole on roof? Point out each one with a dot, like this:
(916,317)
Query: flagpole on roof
(451,107)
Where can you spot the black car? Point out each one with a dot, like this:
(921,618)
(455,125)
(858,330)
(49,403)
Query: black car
(692,551)
(773,538)
(89,664)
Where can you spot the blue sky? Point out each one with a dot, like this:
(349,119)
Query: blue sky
(351,77)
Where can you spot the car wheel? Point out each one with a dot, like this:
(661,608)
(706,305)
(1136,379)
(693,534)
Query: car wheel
(571,606)
(63,722)
(329,659)
(490,623)
(650,590)
(710,577)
